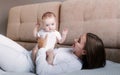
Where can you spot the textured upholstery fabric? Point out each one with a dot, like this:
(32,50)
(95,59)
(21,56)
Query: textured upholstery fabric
(113,54)
(101,17)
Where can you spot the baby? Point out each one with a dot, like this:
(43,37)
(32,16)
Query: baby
(49,29)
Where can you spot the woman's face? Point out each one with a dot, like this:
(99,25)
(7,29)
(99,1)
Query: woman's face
(79,45)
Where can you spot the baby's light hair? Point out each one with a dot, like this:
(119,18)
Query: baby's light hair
(48,15)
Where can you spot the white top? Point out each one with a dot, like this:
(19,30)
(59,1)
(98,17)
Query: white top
(65,61)
(51,39)
(13,57)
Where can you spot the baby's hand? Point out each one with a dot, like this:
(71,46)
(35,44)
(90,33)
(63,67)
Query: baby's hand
(65,32)
(37,25)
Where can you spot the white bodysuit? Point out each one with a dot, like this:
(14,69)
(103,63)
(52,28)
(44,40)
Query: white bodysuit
(52,38)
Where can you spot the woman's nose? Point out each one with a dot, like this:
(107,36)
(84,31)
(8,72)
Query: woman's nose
(75,40)
(73,45)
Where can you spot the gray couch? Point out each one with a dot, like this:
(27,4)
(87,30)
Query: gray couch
(101,17)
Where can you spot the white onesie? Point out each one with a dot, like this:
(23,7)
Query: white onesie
(52,38)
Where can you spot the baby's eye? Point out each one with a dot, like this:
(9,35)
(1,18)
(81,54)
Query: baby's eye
(52,24)
(47,25)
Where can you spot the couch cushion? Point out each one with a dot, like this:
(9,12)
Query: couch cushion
(113,54)
(95,16)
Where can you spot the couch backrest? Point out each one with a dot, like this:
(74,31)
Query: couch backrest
(22,20)
(101,17)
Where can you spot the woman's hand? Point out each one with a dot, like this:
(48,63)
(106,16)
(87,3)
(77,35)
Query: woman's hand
(42,41)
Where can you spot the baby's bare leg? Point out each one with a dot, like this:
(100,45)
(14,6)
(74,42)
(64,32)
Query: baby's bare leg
(50,56)
(34,52)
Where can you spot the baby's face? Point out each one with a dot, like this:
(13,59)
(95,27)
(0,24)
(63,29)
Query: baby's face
(49,24)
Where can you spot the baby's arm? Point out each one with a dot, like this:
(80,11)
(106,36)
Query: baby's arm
(36,30)
(64,34)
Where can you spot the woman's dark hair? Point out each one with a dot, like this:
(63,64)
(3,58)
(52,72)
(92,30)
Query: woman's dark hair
(95,53)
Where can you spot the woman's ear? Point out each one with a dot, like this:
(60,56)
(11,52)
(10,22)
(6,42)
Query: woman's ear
(84,52)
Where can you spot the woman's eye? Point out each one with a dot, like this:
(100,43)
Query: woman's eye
(79,40)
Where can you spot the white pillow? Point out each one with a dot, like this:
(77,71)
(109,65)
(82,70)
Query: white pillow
(111,68)
(14,57)
(1,72)
(14,61)
(8,42)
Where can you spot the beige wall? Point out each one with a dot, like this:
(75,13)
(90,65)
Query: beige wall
(5,5)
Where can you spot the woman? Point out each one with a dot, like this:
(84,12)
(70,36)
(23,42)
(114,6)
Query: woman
(87,53)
